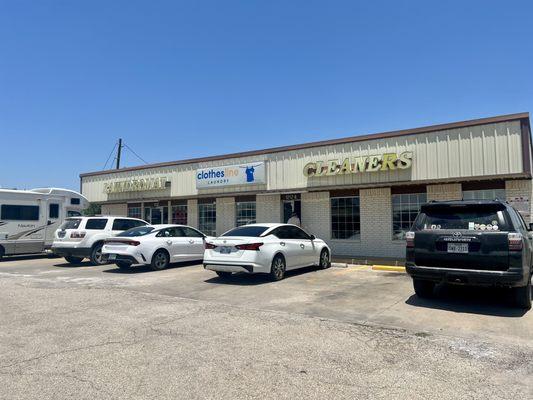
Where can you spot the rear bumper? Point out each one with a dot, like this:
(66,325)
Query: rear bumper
(511,277)
(248,268)
(71,251)
(125,258)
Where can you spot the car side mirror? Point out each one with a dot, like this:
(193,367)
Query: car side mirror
(312,237)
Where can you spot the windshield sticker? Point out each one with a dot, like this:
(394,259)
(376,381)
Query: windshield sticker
(471,226)
(495,227)
(482,227)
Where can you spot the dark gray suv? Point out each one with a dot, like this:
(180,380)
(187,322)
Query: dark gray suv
(471,243)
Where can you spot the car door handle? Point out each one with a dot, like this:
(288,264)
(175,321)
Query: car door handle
(282,243)
(191,241)
(302,245)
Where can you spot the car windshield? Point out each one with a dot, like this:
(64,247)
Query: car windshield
(72,223)
(139,231)
(250,231)
(474,218)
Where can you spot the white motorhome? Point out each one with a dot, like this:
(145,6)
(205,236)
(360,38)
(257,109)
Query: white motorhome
(29,218)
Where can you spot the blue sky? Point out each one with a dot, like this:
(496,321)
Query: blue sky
(180,79)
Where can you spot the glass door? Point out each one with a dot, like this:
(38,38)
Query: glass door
(292,210)
(156,216)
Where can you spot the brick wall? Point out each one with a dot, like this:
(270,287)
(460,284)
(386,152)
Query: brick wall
(316,214)
(449,191)
(268,207)
(519,188)
(225,214)
(115,209)
(192,213)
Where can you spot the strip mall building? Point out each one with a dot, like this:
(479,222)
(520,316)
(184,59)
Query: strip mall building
(360,193)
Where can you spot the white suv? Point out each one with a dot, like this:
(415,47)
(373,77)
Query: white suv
(83,237)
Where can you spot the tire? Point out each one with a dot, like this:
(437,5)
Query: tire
(96,255)
(522,296)
(123,265)
(160,260)
(73,260)
(324,261)
(2,252)
(278,267)
(423,289)
(223,274)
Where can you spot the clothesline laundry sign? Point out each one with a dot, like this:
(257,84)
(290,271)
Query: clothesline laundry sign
(252,173)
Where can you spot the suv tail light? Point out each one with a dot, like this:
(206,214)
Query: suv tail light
(249,246)
(209,246)
(410,239)
(77,235)
(515,241)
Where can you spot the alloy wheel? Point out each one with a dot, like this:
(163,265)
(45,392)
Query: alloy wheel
(279,267)
(160,260)
(324,259)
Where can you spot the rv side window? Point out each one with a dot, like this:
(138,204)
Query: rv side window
(54,211)
(96,223)
(74,201)
(20,213)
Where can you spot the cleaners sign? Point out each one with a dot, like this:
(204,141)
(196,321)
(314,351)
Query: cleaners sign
(244,174)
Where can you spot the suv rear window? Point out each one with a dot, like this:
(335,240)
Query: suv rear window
(70,223)
(125,224)
(250,231)
(477,217)
(96,223)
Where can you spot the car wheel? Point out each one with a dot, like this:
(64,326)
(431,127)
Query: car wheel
(96,256)
(522,296)
(123,265)
(160,260)
(223,274)
(423,289)
(325,262)
(277,269)
(73,260)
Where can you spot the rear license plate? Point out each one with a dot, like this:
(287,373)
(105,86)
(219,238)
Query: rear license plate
(111,256)
(458,248)
(225,250)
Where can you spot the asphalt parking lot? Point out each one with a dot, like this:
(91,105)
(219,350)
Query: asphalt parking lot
(99,332)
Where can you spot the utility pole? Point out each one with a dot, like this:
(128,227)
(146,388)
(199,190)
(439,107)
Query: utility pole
(118,152)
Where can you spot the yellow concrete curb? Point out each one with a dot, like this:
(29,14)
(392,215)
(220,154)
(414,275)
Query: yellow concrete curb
(388,268)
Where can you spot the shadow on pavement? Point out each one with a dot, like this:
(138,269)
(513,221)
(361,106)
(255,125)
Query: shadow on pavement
(23,257)
(244,279)
(470,300)
(69,265)
(136,269)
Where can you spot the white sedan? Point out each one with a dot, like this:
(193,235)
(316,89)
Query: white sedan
(265,248)
(155,245)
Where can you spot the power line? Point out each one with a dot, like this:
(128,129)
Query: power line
(136,155)
(110,154)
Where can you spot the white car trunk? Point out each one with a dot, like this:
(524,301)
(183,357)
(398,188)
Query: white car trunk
(226,245)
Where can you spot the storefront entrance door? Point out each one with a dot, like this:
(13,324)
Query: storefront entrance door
(156,216)
(291,209)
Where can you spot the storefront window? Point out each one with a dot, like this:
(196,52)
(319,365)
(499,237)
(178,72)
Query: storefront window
(134,211)
(245,213)
(207,218)
(484,194)
(405,208)
(345,218)
(179,214)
